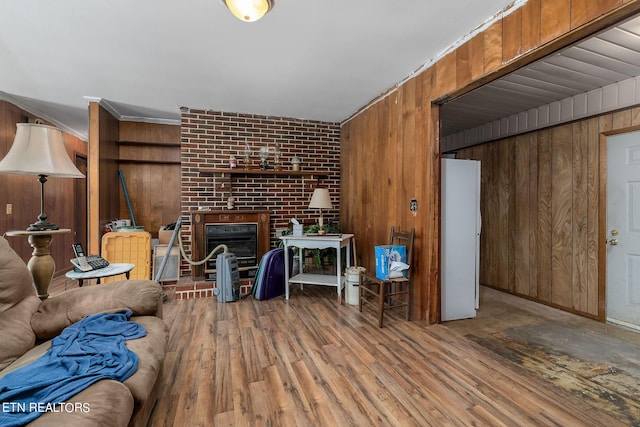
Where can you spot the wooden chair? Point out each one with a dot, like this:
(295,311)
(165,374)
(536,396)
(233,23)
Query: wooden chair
(392,293)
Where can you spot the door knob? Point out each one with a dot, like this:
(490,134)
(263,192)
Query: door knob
(613,242)
(614,232)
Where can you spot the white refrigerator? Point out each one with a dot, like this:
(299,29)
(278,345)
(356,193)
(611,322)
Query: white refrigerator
(460,238)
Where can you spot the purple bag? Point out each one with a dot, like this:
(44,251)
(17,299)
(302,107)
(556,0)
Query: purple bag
(270,277)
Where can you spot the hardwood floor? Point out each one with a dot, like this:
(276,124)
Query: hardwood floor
(314,362)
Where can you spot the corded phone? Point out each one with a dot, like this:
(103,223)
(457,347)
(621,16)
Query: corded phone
(83,263)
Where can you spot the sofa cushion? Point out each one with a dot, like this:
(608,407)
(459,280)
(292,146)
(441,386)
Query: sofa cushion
(30,356)
(16,334)
(16,283)
(142,297)
(151,350)
(107,403)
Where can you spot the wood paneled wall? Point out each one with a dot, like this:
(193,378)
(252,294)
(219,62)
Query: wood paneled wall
(541,195)
(383,167)
(390,150)
(153,181)
(23,194)
(151,171)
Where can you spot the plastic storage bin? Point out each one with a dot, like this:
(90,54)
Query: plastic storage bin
(130,247)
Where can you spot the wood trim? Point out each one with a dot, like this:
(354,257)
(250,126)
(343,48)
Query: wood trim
(619,131)
(434,287)
(150,162)
(602,230)
(93,180)
(149,144)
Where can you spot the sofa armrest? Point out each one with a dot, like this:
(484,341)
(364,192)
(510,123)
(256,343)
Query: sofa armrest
(142,297)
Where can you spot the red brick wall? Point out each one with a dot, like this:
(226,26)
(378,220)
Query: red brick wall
(209,138)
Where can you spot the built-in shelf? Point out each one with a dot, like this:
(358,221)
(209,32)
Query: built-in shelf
(149,144)
(273,172)
(150,162)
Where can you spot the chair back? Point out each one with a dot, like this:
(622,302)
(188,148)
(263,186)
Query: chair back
(404,238)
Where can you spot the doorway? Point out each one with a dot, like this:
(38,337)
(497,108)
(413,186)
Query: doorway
(623,230)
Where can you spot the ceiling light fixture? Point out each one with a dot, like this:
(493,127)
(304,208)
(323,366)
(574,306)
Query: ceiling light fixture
(249,10)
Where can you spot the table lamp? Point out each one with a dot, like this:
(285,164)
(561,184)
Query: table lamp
(320,200)
(39,150)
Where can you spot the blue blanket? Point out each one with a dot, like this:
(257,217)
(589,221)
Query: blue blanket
(84,353)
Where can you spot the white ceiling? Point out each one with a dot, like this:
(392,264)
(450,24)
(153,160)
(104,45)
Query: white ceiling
(320,60)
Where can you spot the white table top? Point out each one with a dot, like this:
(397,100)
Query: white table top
(110,270)
(329,237)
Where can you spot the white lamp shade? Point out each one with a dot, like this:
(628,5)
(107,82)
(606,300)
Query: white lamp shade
(249,10)
(320,199)
(39,150)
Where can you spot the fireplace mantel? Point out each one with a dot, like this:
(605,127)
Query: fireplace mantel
(201,217)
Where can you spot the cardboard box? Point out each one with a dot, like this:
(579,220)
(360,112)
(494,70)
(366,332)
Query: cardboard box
(385,255)
(164,236)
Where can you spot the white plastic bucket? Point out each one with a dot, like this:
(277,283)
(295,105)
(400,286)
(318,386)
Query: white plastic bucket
(352,280)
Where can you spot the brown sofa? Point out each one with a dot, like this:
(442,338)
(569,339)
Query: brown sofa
(27,325)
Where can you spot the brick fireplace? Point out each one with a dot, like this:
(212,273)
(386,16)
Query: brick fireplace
(210,138)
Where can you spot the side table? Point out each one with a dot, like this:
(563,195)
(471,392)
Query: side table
(108,271)
(41,265)
(308,241)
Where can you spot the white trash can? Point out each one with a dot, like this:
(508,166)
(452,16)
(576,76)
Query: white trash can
(352,280)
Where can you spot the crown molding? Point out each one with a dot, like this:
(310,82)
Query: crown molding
(113,110)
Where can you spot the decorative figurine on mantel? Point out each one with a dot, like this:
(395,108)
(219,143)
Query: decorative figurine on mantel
(247,155)
(276,156)
(295,163)
(264,155)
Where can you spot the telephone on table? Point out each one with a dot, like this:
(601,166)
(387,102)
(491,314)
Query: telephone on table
(83,263)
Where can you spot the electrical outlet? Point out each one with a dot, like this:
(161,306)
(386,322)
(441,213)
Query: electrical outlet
(413,206)
(9,209)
